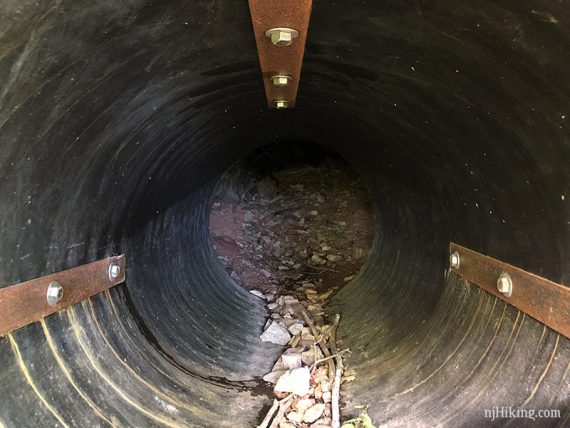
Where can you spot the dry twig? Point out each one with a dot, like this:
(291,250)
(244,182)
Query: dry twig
(284,406)
(269,415)
(314,332)
(330,357)
(277,404)
(322,345)
(337,378)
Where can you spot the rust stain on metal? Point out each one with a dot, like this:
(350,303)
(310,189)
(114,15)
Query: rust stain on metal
(24,303)
(280,60)
(544,300)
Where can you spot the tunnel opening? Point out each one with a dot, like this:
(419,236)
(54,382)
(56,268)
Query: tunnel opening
(117,122)
(291,213)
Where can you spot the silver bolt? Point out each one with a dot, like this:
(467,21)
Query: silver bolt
(454,260)
(114,271)
(54,293)
(505,284)
(282,36)
(279,104)
(280,80)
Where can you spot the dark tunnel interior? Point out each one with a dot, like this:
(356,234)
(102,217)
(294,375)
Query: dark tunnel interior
(118,118)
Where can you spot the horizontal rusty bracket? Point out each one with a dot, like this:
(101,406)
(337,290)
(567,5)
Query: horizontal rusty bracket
(30,301)
(544,300)
(280,59)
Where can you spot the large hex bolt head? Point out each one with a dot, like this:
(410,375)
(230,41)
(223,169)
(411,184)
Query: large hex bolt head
(505,285)
(54,293)
(282,36)
(280,80)
(454,260)
(114,271)
(281,104)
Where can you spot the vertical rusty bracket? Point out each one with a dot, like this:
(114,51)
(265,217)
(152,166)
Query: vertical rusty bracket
(285,60)
(30,301)
(544,300)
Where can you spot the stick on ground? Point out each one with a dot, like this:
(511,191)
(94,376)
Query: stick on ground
(335,406)
(284,406)
(322,345)
(275,406)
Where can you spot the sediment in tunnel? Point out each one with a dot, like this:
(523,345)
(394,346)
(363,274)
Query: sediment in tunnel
(116,120)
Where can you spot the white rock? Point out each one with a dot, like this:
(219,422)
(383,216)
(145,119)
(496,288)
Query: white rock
(279,366)
(295,417)
(303,404)
(313,413)
(257,293)
(295,328)
(332,257)
(267,324)
(272,306)
(316,259)
(273,377)
(327,396)
(291,361)
(290,300)
(277,334)
(296,381)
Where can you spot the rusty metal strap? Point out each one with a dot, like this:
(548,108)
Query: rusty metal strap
(280,58)
(24,303)
(544,300)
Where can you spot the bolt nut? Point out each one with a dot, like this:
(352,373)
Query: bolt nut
(282,36)
(54,293)
(280,80)
(114,271)
(454,260)
(505,285)
(279,104)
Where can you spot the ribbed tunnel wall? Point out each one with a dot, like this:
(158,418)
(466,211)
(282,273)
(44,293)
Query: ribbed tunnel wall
(117,118)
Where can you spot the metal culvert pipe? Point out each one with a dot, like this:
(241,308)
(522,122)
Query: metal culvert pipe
(116,120)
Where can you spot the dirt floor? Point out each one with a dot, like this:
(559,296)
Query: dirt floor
(302,222)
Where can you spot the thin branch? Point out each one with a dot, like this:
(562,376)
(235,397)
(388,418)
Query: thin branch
(335,402)
(277,404)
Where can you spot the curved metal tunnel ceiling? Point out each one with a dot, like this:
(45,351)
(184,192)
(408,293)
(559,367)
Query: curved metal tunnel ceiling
(116,120)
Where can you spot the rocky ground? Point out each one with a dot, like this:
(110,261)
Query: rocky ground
(308,376)
(303,222)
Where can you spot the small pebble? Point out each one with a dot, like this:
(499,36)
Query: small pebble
(257,293)
(313,413)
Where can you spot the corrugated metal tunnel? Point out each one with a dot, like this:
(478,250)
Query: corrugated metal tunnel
(116,120)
